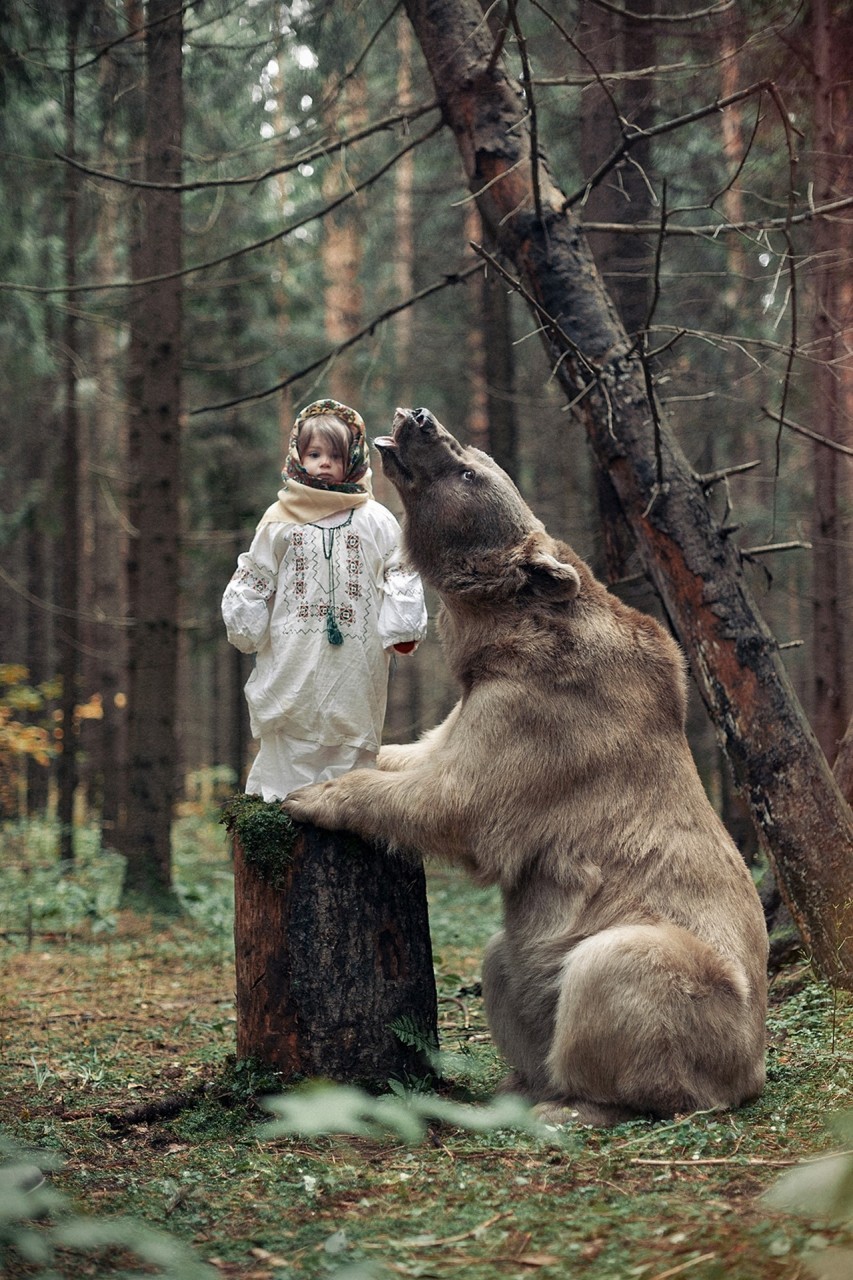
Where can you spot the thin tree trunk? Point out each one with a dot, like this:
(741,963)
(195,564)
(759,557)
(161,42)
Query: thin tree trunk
(492,423)
(38,621)
(331,956)
(342,253)
(405,716)
(802,819)
(155,454)
(731,130)
(69,627)
(625,262)
(105,657)
(832,47)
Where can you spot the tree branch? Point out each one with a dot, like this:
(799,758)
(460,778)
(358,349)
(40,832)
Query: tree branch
(658,130)
(711,12)
(7,286)
(456,277)
(800,430)
(318,152)
(527,85)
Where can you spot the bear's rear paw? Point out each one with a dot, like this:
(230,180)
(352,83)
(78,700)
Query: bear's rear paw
(595,1114)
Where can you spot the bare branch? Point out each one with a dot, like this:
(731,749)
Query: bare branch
(531,108)
(668,126)
(715,228)
(710,478)
(800,430)
(318,152)
(593,68)
(9,287)
(770,548)
(549,323)
(456,277)
(711,12)
(58,611)
(352,71)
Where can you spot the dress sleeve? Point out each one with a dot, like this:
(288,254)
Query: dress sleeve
(246,604)
(402,613)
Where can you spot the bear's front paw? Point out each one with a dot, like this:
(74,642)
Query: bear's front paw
(318,804)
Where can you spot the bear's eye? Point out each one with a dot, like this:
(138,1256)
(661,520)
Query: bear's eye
(468,474)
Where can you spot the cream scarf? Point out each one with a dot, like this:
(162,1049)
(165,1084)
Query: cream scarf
(297,504)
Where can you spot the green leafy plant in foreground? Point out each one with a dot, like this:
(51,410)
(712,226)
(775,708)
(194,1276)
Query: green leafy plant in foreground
(36,1221)
(823,1188)
(344,1109)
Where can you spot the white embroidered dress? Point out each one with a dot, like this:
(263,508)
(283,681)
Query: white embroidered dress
(318,708)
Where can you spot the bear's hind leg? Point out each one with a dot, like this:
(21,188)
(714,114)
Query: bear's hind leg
(521,1037)
(651,1021)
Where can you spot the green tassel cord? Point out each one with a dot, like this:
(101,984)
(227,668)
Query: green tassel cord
(333,632)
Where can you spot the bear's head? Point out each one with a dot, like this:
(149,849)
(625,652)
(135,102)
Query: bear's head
(469,532)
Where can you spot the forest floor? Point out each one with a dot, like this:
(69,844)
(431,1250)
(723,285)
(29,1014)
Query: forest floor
(105,1013)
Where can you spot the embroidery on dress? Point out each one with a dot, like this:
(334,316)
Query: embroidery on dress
(255,581)
(348,571)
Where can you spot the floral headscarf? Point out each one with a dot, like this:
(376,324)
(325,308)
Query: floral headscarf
(357,462)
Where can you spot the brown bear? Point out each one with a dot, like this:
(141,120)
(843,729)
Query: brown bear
(630,975)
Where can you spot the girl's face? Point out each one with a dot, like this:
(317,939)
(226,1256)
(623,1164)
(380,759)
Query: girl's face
(321,461)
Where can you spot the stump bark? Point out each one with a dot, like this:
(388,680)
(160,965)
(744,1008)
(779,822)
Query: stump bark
(330,953)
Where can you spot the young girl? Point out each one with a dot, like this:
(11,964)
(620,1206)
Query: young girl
(323,597)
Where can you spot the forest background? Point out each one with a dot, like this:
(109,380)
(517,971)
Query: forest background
(217,212)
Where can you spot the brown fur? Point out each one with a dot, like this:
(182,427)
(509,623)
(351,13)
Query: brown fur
(629,977)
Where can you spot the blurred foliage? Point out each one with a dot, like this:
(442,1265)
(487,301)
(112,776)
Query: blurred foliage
(822,1188)
(40,1226)
(21,739)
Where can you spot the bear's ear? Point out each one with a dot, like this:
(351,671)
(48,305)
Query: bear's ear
(546,574)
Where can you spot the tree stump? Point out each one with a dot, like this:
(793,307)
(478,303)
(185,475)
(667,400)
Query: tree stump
(332,950)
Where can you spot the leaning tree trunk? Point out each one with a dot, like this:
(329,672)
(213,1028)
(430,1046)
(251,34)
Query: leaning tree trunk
(333,956)
(801,817)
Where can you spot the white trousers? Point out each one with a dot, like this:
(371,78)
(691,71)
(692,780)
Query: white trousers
(283,764)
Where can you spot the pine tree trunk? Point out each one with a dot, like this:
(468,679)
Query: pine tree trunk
(155,455)
(404,717)
(104,741)
(626,263)
(801,817)
(331,960)
(69,632)
(38,622)
(342,251)
(833,493)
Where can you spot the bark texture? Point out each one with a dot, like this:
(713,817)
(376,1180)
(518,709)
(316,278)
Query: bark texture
(802,819)
(155,458)
(328,961)
(832,46)
(69,634)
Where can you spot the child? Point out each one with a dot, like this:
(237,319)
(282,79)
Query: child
(322,596)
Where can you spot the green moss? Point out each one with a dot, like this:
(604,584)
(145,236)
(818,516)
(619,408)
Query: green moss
(266,834)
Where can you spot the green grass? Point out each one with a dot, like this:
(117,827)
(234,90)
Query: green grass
(98,1019)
